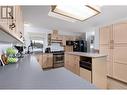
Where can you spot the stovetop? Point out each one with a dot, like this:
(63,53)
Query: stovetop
(57,52)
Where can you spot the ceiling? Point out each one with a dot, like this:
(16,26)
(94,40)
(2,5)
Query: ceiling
(38,17)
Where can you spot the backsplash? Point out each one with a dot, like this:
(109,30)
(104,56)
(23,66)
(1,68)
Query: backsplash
(56,47)
(3,47)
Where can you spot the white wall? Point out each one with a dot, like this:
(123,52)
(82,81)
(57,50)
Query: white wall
(96,42)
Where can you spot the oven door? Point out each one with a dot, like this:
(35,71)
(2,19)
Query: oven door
(58,60)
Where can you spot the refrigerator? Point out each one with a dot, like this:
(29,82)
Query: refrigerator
(80,46)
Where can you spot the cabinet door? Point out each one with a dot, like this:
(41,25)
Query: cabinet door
(50,60)
(68,48)
(120,33)
(39,58)
(44,64)
(85,74)
(66,60)
(3,19)
(105,34)
(120,51)
(120,71)
(105,49)
(75,63)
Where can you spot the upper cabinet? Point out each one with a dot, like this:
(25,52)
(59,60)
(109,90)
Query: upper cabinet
(105,35)
(54,37)
(120,34)
(11,21)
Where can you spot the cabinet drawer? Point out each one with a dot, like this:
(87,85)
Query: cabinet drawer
(85,74)
(120,71)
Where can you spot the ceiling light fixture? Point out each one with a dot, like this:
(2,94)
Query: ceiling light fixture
(75,13)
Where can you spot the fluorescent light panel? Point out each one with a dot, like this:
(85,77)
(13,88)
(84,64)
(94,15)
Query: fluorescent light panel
(79,12)
(52,14)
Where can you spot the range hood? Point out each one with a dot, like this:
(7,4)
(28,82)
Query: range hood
(7,37)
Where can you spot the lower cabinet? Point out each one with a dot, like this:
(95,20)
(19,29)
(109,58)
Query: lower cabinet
(94,73)
(72,63)
(85,74)
(45,60)
(120,71)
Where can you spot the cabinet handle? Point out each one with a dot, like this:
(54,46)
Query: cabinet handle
(111,44)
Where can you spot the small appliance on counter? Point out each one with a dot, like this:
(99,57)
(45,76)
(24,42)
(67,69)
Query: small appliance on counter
(48,50)
(69,43)
(20,50)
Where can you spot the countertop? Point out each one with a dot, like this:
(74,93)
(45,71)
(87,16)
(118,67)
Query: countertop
(28,74)
(93,55)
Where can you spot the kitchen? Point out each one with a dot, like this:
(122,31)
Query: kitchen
(47,52)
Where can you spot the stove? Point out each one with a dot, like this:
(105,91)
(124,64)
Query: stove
(58,59)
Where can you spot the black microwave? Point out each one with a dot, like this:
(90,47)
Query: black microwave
(69,43)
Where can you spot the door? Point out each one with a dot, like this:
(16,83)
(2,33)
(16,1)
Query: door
(105,35)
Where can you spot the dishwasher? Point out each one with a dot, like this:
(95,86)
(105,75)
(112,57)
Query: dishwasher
(86,70)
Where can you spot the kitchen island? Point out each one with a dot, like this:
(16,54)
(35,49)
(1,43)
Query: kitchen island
(28,74)
(89,66)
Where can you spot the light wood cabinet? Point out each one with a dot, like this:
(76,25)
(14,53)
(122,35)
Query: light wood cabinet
(115,84)
(97,74)
(72,63)
(19,23)
(105,35)
(116,49)
(39,59)
(54,35)
(85,74)
(45,60)
(119,33)
(12,22)
(68,48)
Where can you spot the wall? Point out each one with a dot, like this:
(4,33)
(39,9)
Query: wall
(56,47)
(96,42)
(95,32)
